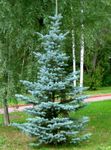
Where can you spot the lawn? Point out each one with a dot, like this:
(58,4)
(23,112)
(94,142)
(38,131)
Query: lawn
(99,125)
(101,90)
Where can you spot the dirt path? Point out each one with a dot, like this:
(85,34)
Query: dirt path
(16,108)
(91,99)
(101,97)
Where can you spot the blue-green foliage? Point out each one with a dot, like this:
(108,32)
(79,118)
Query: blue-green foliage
(53,94)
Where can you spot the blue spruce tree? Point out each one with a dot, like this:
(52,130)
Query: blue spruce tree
(53,95)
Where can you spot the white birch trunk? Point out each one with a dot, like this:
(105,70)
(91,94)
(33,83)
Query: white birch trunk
(82,57)
(56,10)
(73,48)
(73,54)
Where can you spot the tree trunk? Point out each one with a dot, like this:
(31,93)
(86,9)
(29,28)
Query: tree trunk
(82,47)
(82,57)
(74,57)
(6,114)
(56,10)
(94,62)
(73,47)
(23,62)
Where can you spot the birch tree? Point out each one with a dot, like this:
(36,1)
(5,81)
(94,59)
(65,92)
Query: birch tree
(73,55)
(82,56)
(82,47)
(56,9)
(73,47)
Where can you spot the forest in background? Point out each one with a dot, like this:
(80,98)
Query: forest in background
(21,19)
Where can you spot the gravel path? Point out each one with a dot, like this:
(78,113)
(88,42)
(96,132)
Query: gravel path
(91,99)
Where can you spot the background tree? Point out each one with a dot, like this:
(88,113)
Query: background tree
(95,15)
(18,20)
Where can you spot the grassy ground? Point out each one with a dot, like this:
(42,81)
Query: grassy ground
(99,125)
(101,90)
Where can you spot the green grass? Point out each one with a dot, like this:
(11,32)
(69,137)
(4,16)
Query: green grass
(101,90)
(99,125)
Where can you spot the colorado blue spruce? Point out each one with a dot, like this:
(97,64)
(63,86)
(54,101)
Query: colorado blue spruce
(53,95)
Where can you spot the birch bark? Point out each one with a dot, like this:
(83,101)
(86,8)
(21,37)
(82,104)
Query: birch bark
(82,57)
(73,54)
(82,52)
(73,47)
